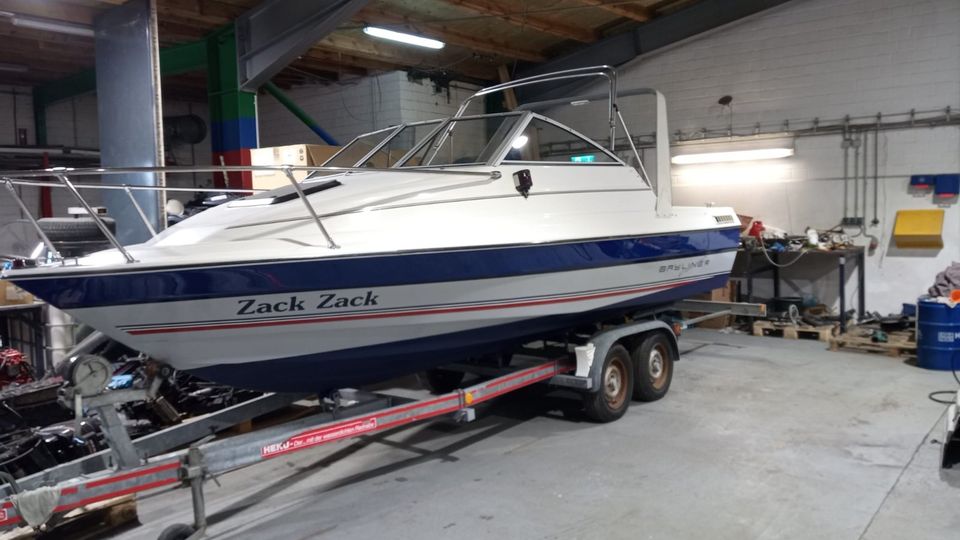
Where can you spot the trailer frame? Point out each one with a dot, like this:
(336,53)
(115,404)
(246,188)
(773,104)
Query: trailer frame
(350,413)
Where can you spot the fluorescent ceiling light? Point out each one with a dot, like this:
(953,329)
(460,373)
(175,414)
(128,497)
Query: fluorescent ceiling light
(16,68)
(409,39)
(729,149)
(52,25)
(520,142)
(736,155)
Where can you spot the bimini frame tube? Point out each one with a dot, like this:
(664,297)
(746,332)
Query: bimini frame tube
(609,72)
(663,181)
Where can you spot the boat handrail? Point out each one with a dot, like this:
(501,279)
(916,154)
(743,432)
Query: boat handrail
(34,178)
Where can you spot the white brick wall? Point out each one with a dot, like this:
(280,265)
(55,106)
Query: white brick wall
(350,109)
(343,110)
(826,59)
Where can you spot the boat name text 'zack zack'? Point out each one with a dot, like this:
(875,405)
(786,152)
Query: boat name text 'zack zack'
(252,306)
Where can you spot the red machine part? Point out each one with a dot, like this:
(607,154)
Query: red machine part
(14,369)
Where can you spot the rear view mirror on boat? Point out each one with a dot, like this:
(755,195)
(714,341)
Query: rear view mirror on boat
(523,181)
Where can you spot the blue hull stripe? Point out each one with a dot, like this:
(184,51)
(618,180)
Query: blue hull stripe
(273,277)
(367,365)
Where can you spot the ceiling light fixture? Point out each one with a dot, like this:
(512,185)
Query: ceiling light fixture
(737,155)
(520,142)
(409,39)
(52,25)
(733,149)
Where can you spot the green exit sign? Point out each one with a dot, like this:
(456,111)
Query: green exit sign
(586,158)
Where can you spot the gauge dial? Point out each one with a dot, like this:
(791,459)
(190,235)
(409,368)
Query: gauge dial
(90,374)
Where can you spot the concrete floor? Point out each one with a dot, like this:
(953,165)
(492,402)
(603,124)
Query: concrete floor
(759,438)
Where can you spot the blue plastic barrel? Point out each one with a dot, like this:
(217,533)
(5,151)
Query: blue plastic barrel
(938,335)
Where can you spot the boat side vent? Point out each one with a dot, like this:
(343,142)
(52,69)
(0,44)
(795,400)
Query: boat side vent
(723,220)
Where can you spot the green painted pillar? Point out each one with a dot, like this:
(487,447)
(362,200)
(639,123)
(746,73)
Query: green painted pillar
(233,113)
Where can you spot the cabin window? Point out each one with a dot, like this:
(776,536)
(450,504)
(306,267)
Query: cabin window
(546,142)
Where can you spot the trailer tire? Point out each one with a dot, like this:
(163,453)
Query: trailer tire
(177,531)
(612,399)
(440,381)
(653,361)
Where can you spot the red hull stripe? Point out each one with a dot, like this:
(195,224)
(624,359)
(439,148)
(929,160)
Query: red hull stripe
(412,313)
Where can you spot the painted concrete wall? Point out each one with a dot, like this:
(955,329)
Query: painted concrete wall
(819,59)
(16,111)
(351,108)
(73,123)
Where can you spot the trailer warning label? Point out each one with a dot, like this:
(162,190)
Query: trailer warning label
(319,436)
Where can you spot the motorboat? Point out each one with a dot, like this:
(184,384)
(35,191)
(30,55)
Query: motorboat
(413,247)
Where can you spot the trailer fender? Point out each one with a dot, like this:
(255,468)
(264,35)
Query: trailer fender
(600,344)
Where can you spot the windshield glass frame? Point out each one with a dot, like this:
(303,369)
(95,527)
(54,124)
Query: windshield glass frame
(497,156)
(444,131)
(530,117)
(366,156)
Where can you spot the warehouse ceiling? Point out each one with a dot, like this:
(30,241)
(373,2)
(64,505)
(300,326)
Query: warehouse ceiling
(481,36)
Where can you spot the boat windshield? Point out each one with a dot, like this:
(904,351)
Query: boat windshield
(351,154)
(464,141)
(389,144)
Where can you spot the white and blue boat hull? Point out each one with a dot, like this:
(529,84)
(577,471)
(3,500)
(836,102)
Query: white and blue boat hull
(315,325)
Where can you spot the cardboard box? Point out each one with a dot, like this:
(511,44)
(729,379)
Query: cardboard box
(10,294)
(300,155)
(723,294)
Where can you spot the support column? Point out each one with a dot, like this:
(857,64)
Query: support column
(129,111)
(233,113)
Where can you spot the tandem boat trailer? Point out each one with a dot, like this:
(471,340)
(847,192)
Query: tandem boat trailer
(600,367)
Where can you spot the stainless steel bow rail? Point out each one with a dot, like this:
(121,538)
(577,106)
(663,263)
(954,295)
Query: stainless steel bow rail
(36,178)
(354,414)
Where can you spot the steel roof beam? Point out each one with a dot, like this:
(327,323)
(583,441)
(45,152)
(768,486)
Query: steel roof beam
(276,32)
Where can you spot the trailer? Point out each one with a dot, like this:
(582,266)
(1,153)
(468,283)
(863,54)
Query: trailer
(609,366)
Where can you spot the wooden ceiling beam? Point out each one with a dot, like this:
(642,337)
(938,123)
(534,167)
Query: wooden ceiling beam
(339,57)
(51,9)
(341,69)
(636,13)
(379,16)
(508,13)
(364,48)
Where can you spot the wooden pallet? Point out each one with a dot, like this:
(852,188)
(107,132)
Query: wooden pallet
(897,346)
(87,522)
(793,331)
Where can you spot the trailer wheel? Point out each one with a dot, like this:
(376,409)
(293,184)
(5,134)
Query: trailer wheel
(440,381)
(177,531)
(612,399)
(653,367)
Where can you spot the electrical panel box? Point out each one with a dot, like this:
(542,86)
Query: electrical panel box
(919,229)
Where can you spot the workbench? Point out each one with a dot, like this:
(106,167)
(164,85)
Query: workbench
(753,262)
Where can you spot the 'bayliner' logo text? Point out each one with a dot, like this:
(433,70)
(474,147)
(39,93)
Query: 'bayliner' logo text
(253,306)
